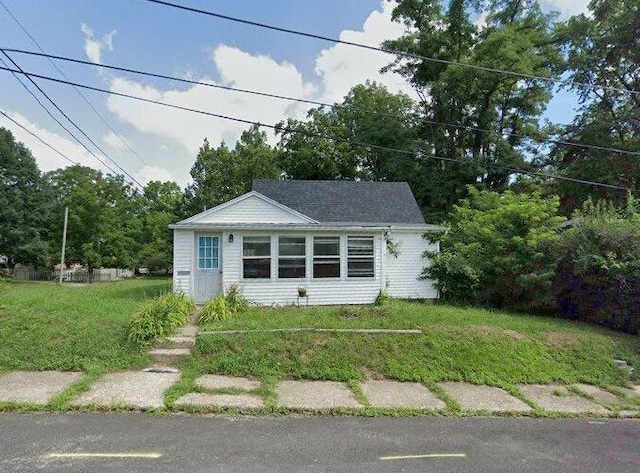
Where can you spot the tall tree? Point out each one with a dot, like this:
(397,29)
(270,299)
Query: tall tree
(162,205)
(220,174)
(104,226)
(348,140)
(24,204)
(603,51)
(490,113)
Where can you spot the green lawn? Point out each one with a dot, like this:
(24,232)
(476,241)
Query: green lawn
(479,346)
(44,326)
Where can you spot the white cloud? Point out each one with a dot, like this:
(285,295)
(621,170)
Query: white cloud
(47,159)
(147,174)
(115,142)
(568,8)
(236,68)
(343,66)
(93,47)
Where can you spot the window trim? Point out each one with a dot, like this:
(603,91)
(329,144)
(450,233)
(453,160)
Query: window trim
(327,257)
(261,257)
(292,257)
(371,257)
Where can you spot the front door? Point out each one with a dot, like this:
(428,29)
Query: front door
(208,270)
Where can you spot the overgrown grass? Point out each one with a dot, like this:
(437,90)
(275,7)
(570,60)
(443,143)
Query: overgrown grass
(73,327)
(160,317)
(465,344)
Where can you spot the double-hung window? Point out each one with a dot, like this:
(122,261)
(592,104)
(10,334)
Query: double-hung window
(326,257)
(360,258)
(256,257)
(292,257)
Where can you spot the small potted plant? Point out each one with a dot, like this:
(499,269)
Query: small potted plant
(302,291)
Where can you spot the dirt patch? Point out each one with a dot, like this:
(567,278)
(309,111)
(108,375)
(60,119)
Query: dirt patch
(500,332)
(562,339)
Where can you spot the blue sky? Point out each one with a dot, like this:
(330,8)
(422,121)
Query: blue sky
(141,35)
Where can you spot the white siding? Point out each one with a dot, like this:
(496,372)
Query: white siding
(183,251)
(402,272)
(250,210)
(285,291)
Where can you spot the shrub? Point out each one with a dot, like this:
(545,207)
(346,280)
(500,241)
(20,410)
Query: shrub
(160,317)
(599,267)
(224,306)
(215,310)
(383,299)
(235,299)
(497,251)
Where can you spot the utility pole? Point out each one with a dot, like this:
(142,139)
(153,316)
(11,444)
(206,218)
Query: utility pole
(64,242)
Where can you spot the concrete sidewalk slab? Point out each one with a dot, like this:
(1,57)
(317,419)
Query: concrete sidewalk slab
(475,397)
(599,395)
(557,398)
(315,395)
(215,381)
(37,387)
(136,389)
(394,394)
(220,400)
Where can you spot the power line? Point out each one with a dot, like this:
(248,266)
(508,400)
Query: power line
(388,51)
(315,102)
(28,76)
(93,108)
(318,135)
(15,122)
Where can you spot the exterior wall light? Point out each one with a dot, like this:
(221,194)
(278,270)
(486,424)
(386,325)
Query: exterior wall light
(230,237)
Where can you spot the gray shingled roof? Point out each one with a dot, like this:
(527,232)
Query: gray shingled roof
(347,202)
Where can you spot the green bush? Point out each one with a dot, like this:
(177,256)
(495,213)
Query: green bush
(383,299)
(216,309)
(235,299)
(497,251)
(599,267)
(160,317)
(224,306)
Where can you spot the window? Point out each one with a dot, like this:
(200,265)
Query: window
(326,257)
(207,252)
(360,257)
(256,257)
(292,257)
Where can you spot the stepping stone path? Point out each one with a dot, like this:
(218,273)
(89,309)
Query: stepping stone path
(36,387)
(394,394)
(554,397)
(315,395)
(474,397)
(172,349)
(241,401)
(214,382)
(135,389)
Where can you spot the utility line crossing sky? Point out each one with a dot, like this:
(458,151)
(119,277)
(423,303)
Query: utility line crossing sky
(156,143)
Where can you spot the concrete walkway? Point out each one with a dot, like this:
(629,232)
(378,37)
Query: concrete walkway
(145,389)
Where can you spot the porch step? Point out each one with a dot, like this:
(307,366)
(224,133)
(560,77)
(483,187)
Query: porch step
(190,331)
(168,356)
(176,342)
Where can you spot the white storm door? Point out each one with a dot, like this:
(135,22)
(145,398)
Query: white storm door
(208,270)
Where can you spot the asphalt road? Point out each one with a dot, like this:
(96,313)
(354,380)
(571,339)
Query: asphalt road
(188,443)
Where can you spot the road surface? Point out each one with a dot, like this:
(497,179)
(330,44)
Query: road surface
(127,442)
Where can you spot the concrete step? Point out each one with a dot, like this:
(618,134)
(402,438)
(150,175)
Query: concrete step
(167,356)
(176,342)
(188,331)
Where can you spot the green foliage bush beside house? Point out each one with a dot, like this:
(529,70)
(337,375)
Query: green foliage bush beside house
(598,278)
(511,251)
(497,250)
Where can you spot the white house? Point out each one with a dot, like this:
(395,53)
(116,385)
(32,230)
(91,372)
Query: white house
(343,241)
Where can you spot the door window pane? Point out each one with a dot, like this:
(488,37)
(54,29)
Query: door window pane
(208,252)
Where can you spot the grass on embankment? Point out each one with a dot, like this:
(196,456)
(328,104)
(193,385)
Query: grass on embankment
(465,344)
(45,327)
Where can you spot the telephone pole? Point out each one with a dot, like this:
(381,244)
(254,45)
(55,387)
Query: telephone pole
(64,242)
